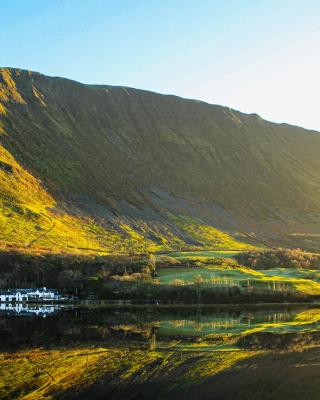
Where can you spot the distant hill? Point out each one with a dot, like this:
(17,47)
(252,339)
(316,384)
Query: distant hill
(117,169)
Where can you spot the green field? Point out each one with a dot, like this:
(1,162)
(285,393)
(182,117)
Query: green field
(183,255)
(314,275)
(297,280)
(223,273)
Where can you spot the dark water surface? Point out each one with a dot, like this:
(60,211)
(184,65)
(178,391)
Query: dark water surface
(56,352)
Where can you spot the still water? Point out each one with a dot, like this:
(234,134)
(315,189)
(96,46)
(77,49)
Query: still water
(56,352)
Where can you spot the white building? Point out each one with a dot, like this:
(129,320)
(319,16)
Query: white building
(24,295)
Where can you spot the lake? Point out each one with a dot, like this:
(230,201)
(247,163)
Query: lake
(141,352)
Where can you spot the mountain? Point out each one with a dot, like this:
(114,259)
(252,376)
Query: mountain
(116,169)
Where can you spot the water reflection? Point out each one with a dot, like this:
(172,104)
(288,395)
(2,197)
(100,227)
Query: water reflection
(142,353)
(136,326)
(28,310)
(222,323)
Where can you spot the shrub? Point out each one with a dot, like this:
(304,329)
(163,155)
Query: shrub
(177,282)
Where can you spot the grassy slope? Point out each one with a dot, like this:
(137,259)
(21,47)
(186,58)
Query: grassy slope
(120,170)
(27,211)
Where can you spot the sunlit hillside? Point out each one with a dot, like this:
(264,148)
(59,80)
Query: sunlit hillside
(109,169)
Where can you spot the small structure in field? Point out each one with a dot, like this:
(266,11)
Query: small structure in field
(29,295)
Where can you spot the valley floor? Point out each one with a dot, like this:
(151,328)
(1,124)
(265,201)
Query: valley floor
(178,277)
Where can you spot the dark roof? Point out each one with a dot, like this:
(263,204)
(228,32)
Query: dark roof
(14,291)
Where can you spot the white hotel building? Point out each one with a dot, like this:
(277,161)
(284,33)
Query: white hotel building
(29,295)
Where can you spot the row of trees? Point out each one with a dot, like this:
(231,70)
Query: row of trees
(281,258)
(70,274)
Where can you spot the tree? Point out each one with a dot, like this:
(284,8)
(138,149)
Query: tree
(70,280)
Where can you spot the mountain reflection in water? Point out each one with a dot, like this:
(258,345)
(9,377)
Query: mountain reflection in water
(150,352)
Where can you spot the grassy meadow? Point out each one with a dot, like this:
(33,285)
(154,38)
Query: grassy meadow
(218,269)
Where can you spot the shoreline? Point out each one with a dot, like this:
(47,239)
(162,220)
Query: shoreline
(85,305)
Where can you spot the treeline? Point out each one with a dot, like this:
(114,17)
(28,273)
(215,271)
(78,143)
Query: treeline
(281,258)
(70,274)
(141,291)
(134,278)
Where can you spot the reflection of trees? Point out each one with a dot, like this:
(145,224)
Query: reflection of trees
(210,325)
(179,323)
(198,281)
(153,339)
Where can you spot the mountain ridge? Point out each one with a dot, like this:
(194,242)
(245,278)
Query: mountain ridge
(106,86)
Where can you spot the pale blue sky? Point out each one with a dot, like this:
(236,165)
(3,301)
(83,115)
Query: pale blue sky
(253,55)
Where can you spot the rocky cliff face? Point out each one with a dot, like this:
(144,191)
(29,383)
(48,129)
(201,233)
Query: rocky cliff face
(119,168)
